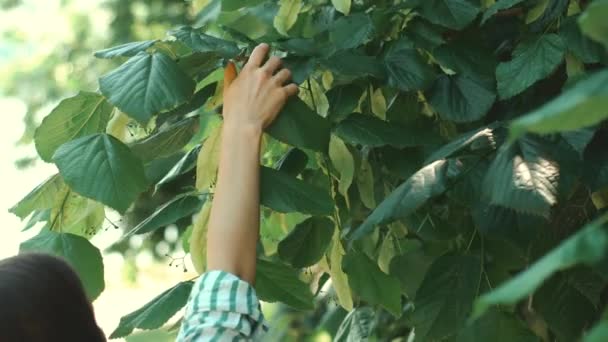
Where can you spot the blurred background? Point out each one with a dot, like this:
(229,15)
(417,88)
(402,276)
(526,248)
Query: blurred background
(46,54)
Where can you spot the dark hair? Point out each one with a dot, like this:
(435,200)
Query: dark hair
(42,299)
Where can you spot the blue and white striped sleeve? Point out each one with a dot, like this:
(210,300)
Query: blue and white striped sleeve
(222,307)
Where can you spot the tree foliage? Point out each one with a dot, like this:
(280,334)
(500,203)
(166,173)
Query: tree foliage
(443,158)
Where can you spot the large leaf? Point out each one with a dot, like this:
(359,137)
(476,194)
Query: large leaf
(454,14)
(357,326)
(497,326)
(307,242)
(406,68)
(587,246)
(350,31)
(370,283)
(445,297)
(41,197)
(287,15)
(76,251)
(524,176)
(476,139)
(354,64)
(301,127)
(125,50)
(168,213)
(461,99)
(186,164)
(343,162)
(580,106)
(582,47)
(166,141)
(284,193)
(201,42)
(279,282)
(156,312)
(498,6)
(533,60)
(339,280)
(75,214)
(343,100)
(593,23)
(411,265)
(118,175)
(425,184)
(84,114)
(371,131)
(147,85)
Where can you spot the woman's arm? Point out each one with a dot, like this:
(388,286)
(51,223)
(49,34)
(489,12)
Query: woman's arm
(251,103)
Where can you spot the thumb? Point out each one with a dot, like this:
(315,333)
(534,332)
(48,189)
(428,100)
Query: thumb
(229,74)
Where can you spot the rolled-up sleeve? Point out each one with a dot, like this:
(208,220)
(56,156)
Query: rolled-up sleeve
(222,307)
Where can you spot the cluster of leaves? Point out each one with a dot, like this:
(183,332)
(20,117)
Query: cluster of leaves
(444,165)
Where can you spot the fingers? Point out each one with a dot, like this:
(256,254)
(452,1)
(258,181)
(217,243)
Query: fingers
(291,89)
(258,55)
(273,64)
(282,76)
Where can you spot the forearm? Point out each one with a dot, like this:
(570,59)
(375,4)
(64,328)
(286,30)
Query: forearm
(234,221)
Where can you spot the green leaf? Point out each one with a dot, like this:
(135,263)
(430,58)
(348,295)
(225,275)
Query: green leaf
(368,130)
(343,162)
(75,117)
(342,6)
(299,126)
(119,175)
(406,68)
(186,164)
(425,184)
(37,217)
(156,312)
(76,251)
(231,5)
(125,50)
(599,333)
(582,47)
(293,162)
(443,301)
(201,42)
(454,14)
(498,6)
(365,184)
(279,282)
(524,177)
(343,100)
(461,99)
(587,246)
(167,141)
(354,64)
(593,23)
(566,310)
(168,213)
(474,140)
(533,60)
(580,106)
(351,31)
(469,58)
(357,326)
(411,266)
(40,198)
(370,283)
(287,15)
(147,85)
(307,242)
(75,214)
(497,326)
(284,193)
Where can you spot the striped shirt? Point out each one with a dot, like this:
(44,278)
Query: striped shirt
(222,307)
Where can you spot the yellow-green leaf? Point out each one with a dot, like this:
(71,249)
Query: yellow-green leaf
(198,239)
(342,6)
(287,15)
(379,104)
(75,214)
(343,161)
(208,160)
(365,184)
(339,279)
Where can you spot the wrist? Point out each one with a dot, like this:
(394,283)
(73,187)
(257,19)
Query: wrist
(242,131)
